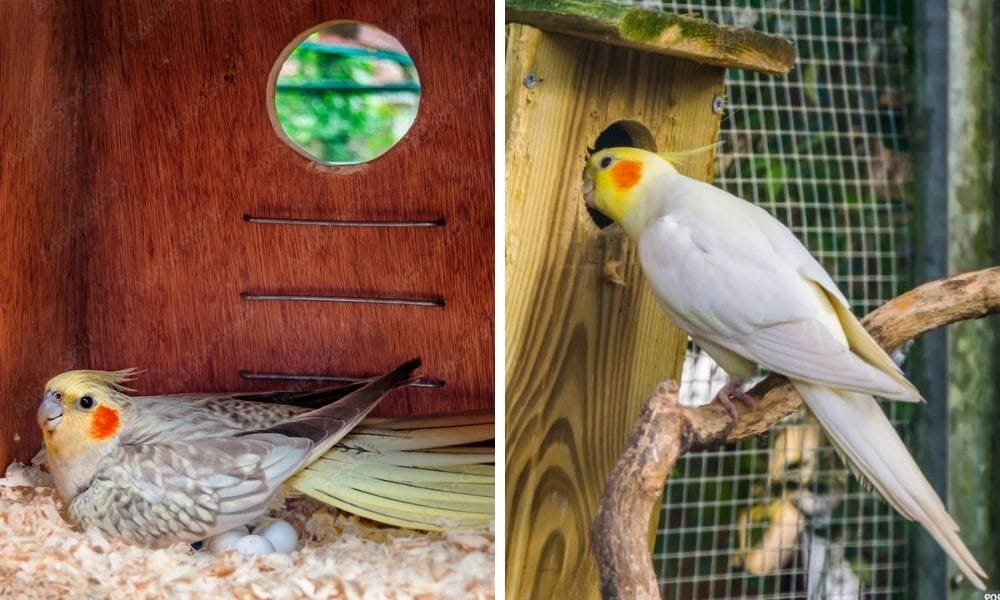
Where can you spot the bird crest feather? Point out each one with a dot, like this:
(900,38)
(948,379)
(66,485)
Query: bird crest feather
(113,380)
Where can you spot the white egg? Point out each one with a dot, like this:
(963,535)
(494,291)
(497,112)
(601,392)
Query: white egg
(225,540)
(253,544)
(281,535)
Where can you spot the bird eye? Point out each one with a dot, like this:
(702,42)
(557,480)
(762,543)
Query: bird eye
(86,402)
(605,162)
(57,396)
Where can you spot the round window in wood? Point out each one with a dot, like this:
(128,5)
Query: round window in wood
(344,93)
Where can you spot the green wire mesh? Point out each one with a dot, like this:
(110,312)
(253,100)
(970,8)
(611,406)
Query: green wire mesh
(825,151)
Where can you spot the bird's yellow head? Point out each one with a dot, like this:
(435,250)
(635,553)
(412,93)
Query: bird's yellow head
(82,410)
(616,179)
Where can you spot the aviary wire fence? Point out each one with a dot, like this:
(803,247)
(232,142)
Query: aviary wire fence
(825,150)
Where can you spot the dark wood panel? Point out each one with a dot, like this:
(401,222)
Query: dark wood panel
(149,178)
(42,169)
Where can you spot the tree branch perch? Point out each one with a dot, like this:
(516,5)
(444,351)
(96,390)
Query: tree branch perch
(665,430)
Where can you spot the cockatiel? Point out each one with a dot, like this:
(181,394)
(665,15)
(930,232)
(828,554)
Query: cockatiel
(749,293)
(157,470)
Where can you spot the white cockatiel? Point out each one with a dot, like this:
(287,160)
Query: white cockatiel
(743,287)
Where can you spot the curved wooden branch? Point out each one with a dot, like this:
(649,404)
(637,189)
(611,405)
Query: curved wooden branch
(634,487)
(665,430)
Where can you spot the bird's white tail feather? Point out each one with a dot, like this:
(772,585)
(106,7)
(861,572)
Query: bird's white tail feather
(868,442)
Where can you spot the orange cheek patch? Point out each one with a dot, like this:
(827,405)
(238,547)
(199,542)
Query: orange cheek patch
(104,423)
(625,173)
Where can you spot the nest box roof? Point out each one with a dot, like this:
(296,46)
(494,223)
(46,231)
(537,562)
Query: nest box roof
(685,37)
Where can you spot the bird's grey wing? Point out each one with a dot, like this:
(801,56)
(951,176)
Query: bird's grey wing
(805,350)
(304,399)
(163,419)
(188,416)
(182,416)
(715,285)
(250,415)
(861,342)
(746,298)
(158,494)
(325,426)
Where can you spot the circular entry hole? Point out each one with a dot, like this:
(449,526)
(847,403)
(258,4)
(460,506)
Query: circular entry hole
(343,93)
(618,134)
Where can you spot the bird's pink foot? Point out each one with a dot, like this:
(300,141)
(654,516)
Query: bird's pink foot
(731,391)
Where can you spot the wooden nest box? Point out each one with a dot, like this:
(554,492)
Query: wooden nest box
(137,142)
(585,340)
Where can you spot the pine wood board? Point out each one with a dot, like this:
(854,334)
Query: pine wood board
(582,351)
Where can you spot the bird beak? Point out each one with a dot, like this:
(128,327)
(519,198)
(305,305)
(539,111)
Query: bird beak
(600,219)
(588,191)
(50,412)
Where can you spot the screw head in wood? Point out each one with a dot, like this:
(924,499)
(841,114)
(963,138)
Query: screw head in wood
(530,80)
(718,104)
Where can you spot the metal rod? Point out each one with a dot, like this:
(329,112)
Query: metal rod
(929,364)
(341,50)
(348,87)
(436,303)
(423,382)
(339,223)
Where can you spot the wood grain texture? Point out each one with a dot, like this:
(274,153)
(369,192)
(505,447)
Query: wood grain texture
(681,36)
(42,168)
(582,351)
(142,138)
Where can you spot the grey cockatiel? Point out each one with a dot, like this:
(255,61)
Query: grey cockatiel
(162,469)
(743,287)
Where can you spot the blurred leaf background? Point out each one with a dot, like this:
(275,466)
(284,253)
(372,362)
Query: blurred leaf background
(347,93)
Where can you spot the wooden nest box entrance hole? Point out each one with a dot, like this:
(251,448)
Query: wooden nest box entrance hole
(620,134)
(625,133)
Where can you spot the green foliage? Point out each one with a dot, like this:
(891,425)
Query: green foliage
(339,127)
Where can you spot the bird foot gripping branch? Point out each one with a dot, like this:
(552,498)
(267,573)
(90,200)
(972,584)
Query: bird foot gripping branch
(184,468)
(731,391)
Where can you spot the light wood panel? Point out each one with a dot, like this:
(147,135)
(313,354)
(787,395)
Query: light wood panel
(583,351)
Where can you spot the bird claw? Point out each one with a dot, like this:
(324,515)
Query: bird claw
(731,391)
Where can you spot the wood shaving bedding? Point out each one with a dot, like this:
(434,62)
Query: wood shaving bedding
(339,556)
